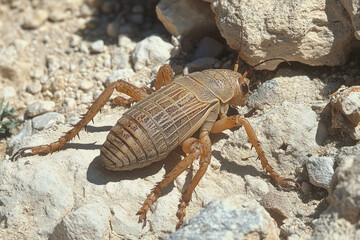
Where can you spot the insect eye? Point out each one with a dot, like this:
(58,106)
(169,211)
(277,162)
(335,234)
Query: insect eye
(244,88)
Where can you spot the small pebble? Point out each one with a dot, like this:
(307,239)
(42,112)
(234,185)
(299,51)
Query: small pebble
(47,120)
(86,85)
(35,20)
(69,103)
(40,107)
(255,186)
(34,88)
(277,204)
(52,63)
(37,74)
(84,48)
(57,16)
(86,10)
(101,77)
(98,47)
(119,74)
(75,41)
(320,171)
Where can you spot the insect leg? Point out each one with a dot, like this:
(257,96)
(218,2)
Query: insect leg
(120,85)
(204,163)
(237,120)
(164,75)
(193,147)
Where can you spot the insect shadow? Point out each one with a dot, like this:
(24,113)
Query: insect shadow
(98,175)
(235,168)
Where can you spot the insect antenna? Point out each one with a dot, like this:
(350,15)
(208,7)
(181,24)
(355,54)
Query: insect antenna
(253,67)
(236,66)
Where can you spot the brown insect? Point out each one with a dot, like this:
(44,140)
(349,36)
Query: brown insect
(169,117)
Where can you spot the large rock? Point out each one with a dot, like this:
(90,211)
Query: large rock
(282,135)
(341,219)
(313,32)
(352,7)
(191,18)
(236,217)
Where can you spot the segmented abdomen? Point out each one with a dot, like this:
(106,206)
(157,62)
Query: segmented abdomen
(152,128)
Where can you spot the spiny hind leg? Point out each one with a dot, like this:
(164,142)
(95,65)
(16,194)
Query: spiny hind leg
(120,85)
(204,163)
(193,148)
(237,120)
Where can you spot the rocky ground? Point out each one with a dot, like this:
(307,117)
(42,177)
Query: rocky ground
(56,58)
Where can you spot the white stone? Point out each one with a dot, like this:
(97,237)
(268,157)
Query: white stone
(98,46)
(151,52)
(86,85)
(35,19)
(90,221)
(297,32)
(47,120)
(236,217)
(196,17)
(38,193)
(40,107)
(352,7)
(320,170)
(282,136)
(255,186)
(34,88)
(123,74)
(69,103)
(75,40)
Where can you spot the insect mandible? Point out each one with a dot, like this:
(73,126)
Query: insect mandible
(168,117)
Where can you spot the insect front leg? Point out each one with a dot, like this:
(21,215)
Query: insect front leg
(120,86)
(237,120)
(193,148)
(164,75)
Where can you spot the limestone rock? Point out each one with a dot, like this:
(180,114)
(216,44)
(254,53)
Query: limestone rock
(90,221)
(191,18)
(47,120)
(151,52)
(313,32)
(352,7)
(277,204)
(123,74)
(281,134)
(341,218)
(345,189)
(40,107)
(233,218)
(320,171)
(269,93)
(35,19)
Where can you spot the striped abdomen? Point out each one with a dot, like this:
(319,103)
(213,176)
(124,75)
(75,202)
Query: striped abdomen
(153,127)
